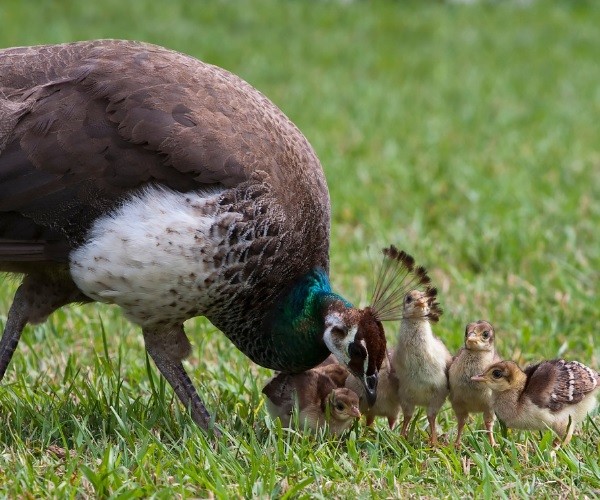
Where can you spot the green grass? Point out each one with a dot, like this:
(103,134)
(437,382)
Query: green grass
(466,134)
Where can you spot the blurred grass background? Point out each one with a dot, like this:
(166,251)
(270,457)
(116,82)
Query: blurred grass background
(464,132)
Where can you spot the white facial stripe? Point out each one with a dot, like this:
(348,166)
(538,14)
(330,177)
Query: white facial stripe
(366,363)
(351,337)
(339,345)
(333,342)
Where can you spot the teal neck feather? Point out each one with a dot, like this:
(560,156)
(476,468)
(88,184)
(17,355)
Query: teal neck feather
(297,324)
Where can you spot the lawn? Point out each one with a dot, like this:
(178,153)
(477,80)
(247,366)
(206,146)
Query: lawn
(463,132)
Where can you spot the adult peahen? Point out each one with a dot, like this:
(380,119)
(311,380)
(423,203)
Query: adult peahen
(135,175)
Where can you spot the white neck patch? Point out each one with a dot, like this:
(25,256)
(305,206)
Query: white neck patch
(337,343)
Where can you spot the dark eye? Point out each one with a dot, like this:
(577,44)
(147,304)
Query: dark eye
(337,331)
(408,299)
(339,407)
(354,350)
(497,373)
(485,334)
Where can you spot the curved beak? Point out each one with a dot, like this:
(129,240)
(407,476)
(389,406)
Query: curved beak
(478,378)
(370,384)
(355,412)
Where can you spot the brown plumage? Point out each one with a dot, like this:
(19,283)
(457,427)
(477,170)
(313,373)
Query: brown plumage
(421,360)
(336,372)
(554,394)
(317,398)
(84,124)
(467,396)
(139,176)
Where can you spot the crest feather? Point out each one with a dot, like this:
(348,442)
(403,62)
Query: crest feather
(397,276)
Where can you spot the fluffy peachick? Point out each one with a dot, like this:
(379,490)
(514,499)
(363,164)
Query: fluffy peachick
(318,399)
(421,360)
(466,395)
(554,394)
(139,176)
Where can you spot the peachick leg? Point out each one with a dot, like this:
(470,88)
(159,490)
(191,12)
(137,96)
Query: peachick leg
(432,411)
(488,419)
(407,417)
(167,348)
(461,419)
(433,431)
(391,422)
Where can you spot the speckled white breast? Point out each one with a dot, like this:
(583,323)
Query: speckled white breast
(153,256)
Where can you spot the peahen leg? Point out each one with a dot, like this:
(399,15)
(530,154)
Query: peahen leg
(16,321)
(168,348)
(37,297)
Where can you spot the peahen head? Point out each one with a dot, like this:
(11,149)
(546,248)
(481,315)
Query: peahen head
(356,336)
(357,339)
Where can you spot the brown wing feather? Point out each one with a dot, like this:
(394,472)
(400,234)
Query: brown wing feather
(310,388)
(84,124)
(540,380)
(280,390)
(557,383)
(336,372)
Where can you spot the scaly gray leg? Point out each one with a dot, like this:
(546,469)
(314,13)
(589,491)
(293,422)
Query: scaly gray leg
(36,298)
(167,348)
(16,321)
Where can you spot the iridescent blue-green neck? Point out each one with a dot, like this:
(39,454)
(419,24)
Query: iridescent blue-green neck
(296,325)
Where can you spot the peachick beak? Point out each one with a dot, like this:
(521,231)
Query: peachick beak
(478,378)
(355,412)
